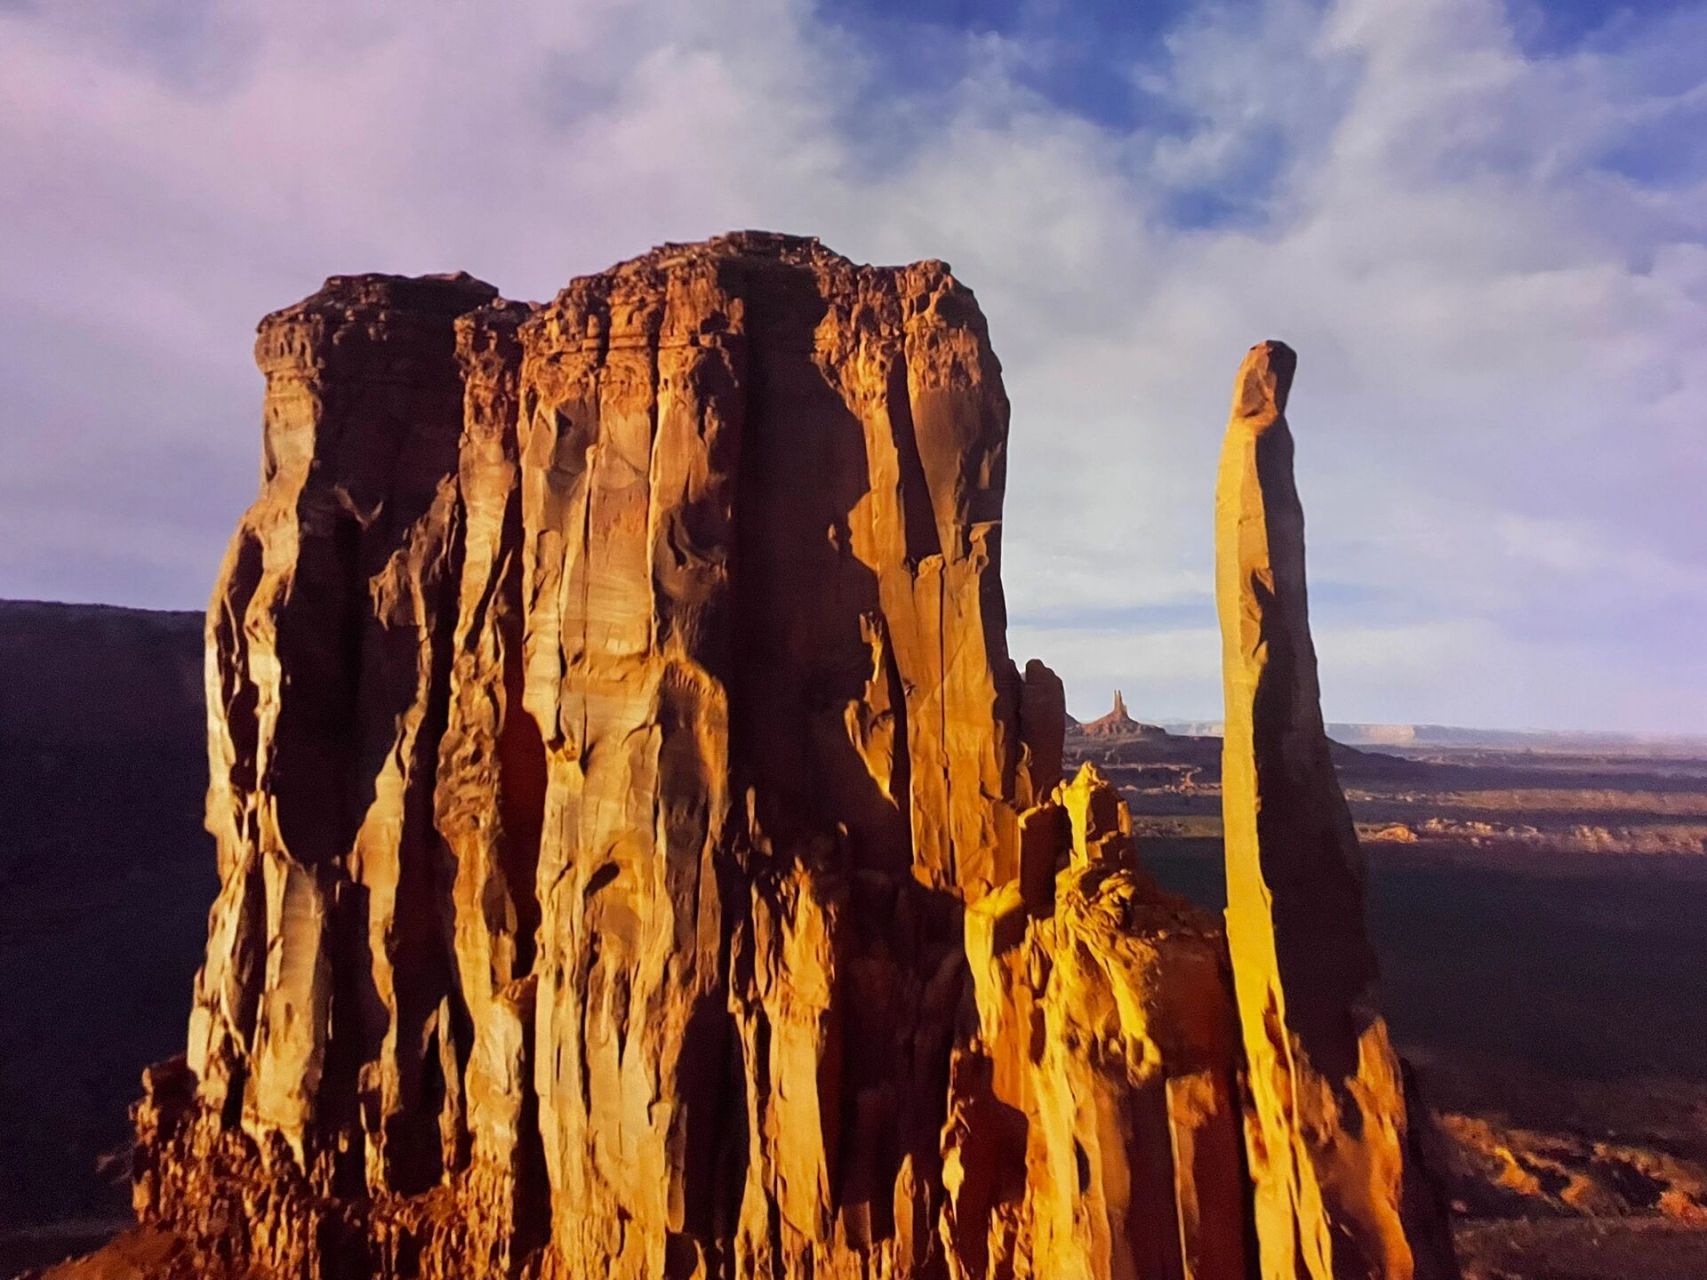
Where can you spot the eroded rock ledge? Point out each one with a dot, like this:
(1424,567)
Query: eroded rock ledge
(640,855)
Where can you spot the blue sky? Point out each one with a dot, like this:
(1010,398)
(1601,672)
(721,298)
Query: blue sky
(1482,224)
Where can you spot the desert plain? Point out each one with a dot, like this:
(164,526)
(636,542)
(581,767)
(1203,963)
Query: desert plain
(1536,900)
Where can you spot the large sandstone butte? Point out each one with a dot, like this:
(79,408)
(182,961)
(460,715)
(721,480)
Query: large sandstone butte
(1341,1188)
(640,855)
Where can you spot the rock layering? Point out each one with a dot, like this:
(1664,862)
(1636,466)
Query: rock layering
(640,856)
(1341,1183)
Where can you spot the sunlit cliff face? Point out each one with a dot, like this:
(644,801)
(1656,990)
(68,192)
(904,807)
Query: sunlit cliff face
(640,855)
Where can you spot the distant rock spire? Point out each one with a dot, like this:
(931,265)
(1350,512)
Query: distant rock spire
(1119,724)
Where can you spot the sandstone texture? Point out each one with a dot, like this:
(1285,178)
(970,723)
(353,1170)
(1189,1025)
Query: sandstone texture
(1334,1149)
(640,856)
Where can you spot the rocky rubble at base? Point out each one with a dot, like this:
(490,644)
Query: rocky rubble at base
(640,856)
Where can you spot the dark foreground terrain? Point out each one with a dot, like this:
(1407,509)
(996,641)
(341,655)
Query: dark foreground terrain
(105,880)
(1539,914)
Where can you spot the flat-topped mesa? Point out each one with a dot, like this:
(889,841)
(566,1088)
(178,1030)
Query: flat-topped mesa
(1341,1189)
(837,432)
(640,856)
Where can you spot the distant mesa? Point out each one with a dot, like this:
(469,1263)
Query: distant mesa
(1119,724)
(1458,738)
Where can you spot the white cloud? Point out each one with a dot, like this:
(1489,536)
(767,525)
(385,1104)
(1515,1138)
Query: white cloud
(1498,407)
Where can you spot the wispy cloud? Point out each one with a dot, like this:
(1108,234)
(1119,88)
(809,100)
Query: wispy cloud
(1490,251)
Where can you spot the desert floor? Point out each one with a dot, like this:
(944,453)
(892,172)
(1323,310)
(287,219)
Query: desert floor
(1544,968)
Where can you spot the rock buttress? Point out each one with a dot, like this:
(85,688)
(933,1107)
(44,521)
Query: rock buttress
(329,638)
(1341,1190)
(1095,1123)
(488,805)
(320,1035)
(766,646)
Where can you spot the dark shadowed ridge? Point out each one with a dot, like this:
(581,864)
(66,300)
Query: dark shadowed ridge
(105,880)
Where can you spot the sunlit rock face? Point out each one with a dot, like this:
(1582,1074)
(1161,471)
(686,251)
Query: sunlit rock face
(329,647)
(640,856)
(765,649)
(1340,1185)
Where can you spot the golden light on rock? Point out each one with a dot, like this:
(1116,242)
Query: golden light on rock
(642,858)
(1340,1190)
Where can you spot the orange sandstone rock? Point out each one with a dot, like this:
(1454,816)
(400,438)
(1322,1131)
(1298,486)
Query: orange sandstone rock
(1340,1189)
(1101,1120)
(640,856)
(761,494)
(328,644)
(488,805)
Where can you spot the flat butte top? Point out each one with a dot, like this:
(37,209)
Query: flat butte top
(780,287)
(757,282)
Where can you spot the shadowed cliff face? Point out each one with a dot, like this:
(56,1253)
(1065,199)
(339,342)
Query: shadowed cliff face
(639,855)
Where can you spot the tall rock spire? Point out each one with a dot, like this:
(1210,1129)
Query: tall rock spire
(1340,1190)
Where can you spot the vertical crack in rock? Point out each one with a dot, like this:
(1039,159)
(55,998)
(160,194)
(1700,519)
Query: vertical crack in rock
(637,382)
(639,855)
(1340,1189)
(488,805)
